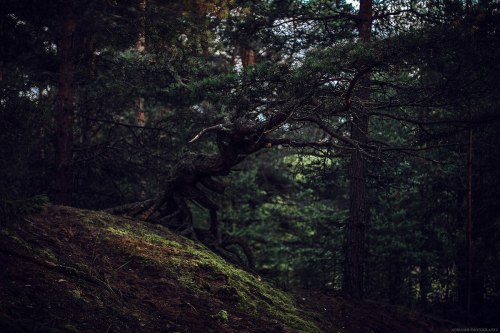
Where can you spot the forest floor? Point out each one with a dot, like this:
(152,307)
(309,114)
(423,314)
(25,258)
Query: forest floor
(72,270)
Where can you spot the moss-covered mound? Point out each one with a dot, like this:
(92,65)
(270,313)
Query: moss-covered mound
(73,270)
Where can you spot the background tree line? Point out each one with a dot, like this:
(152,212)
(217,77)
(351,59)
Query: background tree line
(355,147)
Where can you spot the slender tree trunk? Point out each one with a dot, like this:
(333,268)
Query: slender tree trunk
(424,281)
(247,53)
(468,228)
(140,45)
(65,109)
(396,279)
(140,115)
(356,224)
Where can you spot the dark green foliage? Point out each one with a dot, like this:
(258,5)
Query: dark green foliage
(293,227)
(434,74)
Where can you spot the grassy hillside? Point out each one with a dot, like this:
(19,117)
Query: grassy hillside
(73,270)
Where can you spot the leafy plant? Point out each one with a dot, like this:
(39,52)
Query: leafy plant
(222,316)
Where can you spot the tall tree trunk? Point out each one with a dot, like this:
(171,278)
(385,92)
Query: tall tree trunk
(140,115)
(468,227)
(247,52)
(65,109)
(140,46)
(356,224)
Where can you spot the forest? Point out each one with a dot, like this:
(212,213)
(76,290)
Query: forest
(345,148)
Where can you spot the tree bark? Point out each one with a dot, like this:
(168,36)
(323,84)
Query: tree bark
(65,109)
(247,56)
(468,228)
(140,46)
(356,224)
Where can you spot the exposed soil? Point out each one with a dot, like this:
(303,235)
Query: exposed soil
(70,270)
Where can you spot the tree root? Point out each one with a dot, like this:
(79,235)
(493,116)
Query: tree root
(231,241)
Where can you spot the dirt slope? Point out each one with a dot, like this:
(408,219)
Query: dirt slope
(72,270)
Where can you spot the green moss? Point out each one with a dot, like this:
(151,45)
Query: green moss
(96,219)
(188,262)
(76,293)
(48,254)
(222,316)
(148,236)
(255,297)
(117,231)
(143,243)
